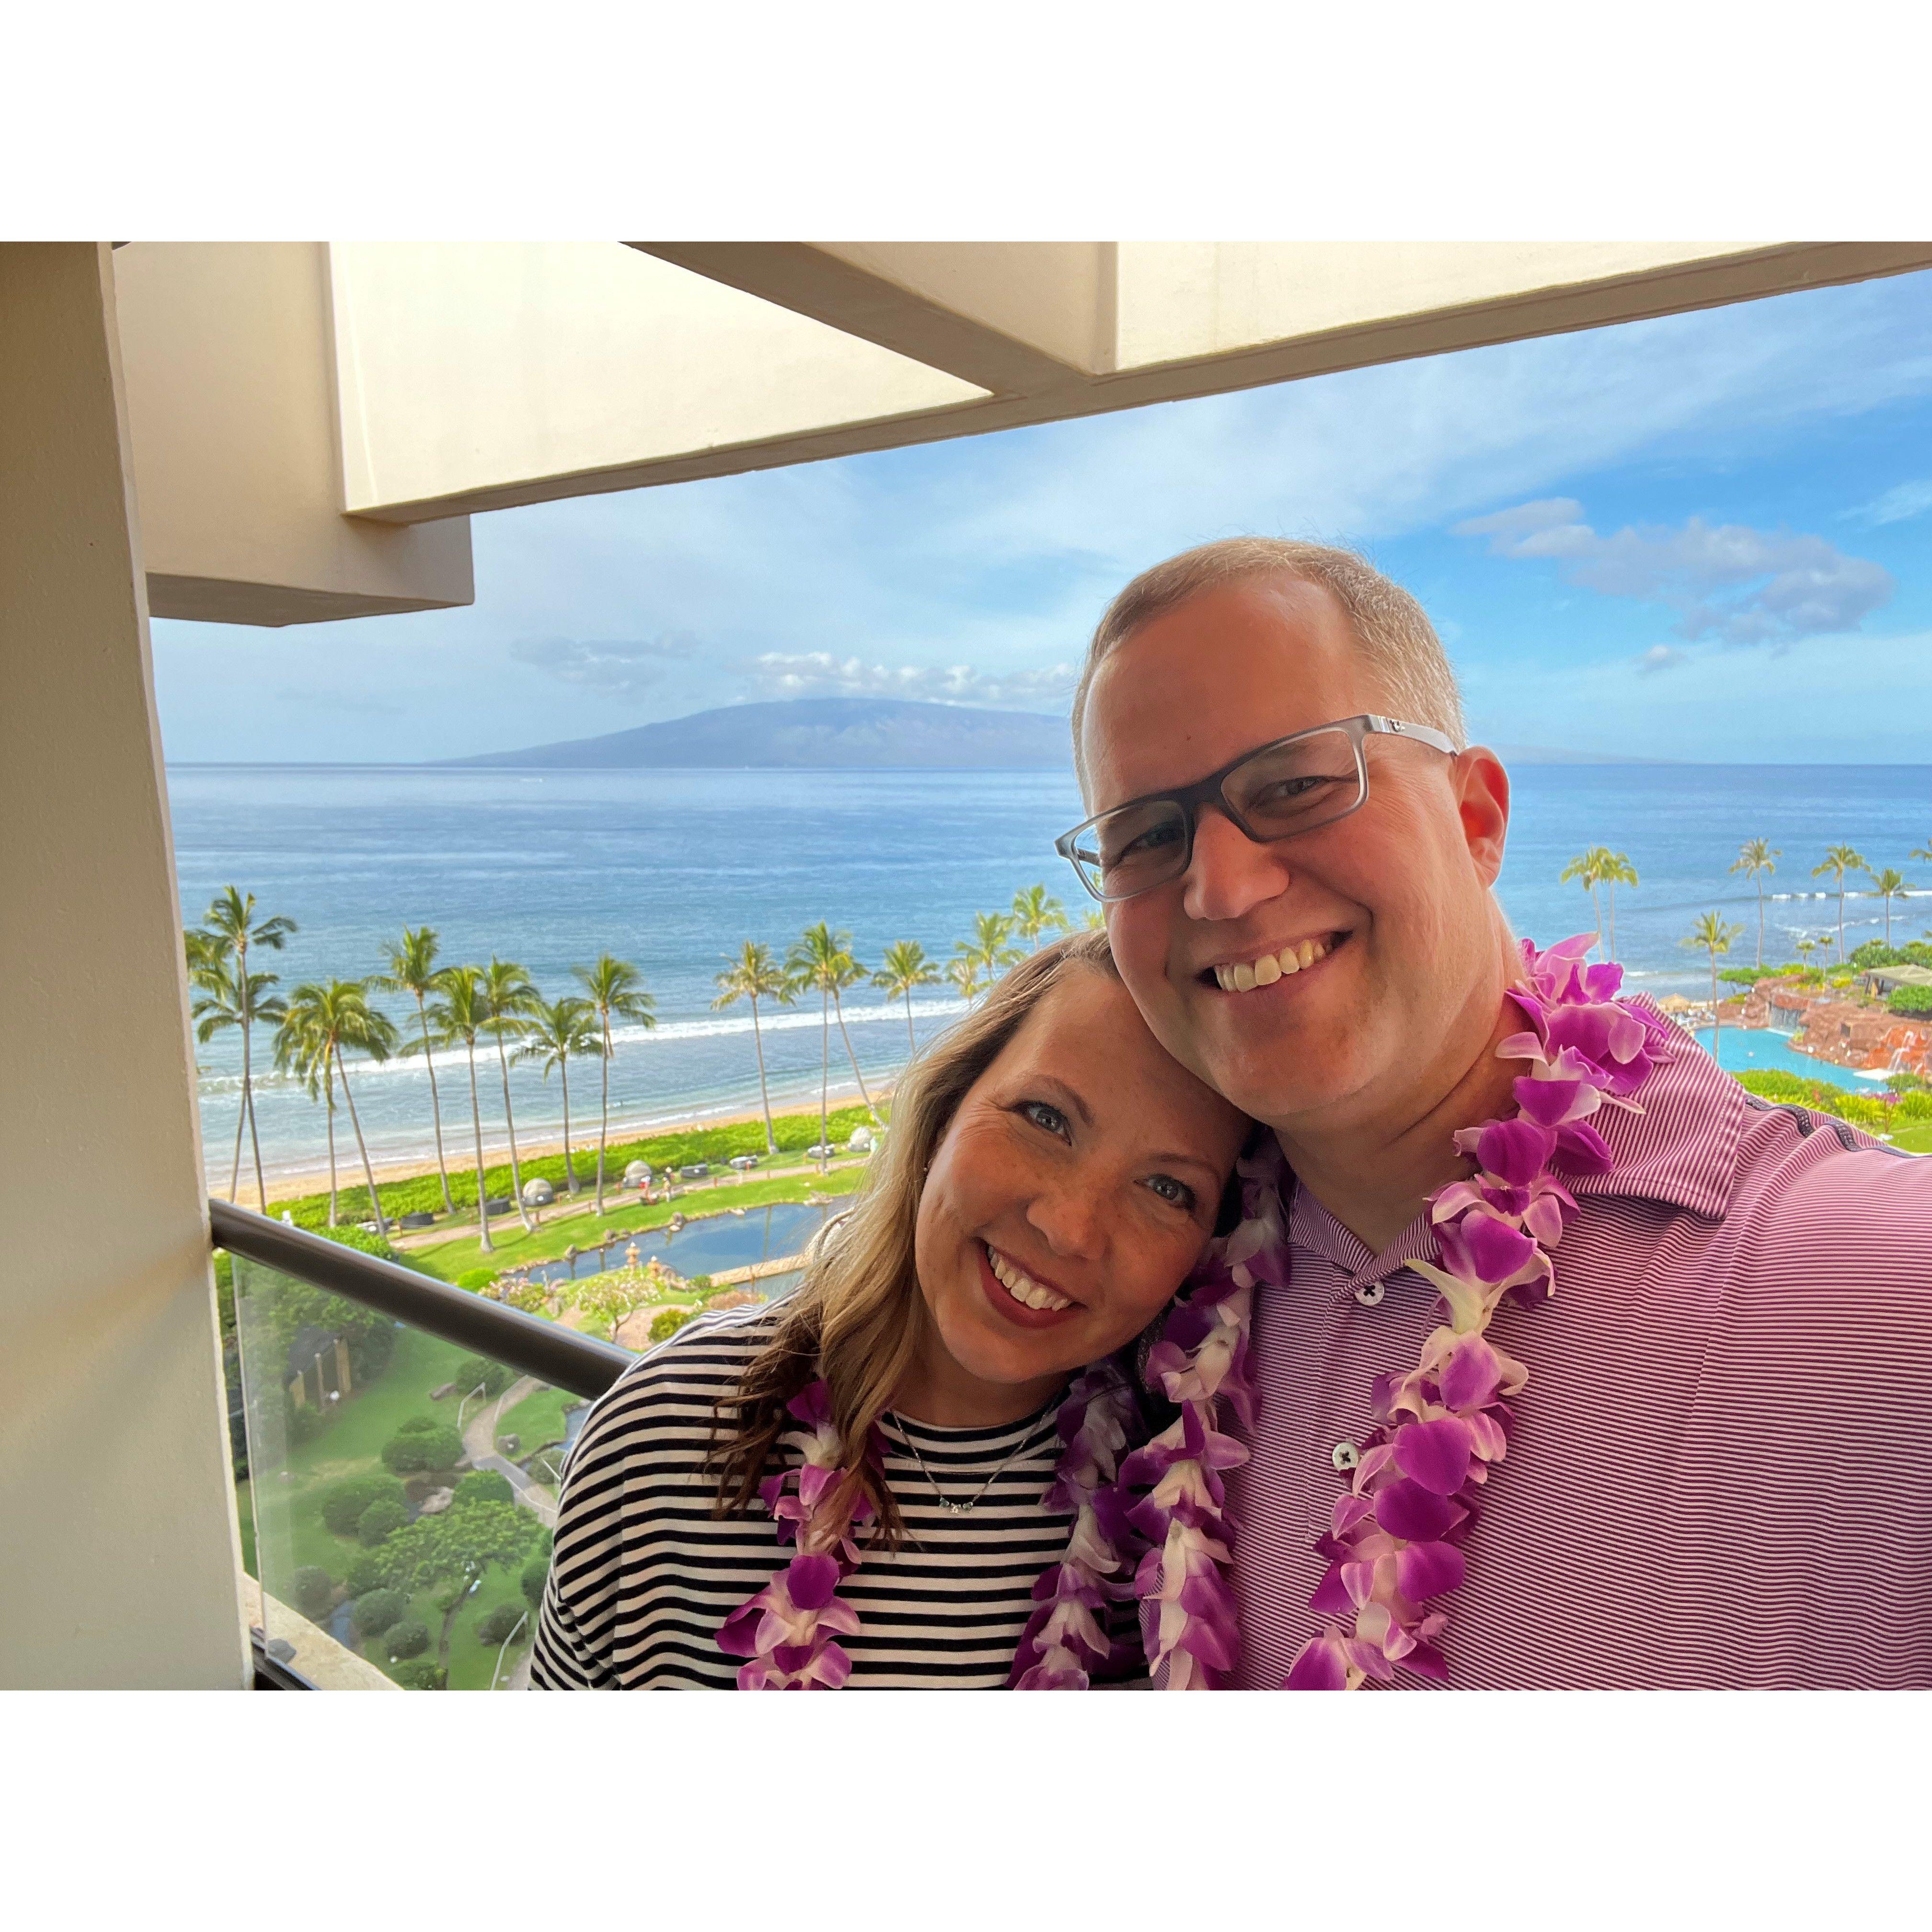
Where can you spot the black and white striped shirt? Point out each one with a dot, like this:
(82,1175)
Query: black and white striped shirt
(644,1573)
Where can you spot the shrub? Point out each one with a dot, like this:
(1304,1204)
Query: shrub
(535,1573)
(344,1503)
(1912,999)
(425,1445)
(495,1377)
(305,1423)
(668,1321)
(1913,1106)
(409,1639)
(476,1278)
(497,1625)
(312,1591)
(376,1611)
(484,1486)
(386,1515)
(423,1676)
(367,1572)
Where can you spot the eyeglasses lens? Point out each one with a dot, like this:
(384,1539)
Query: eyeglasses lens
(1296,787)
(1279,792)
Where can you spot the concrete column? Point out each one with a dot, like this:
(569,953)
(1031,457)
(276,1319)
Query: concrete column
(117,1515)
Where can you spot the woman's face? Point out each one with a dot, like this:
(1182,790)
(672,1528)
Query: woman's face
(1066,1202)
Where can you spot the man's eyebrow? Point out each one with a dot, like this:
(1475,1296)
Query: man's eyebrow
(1176,1158)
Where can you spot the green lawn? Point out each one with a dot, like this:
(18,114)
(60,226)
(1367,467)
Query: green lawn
(537,1421)
(1916,1139)
(512,1247)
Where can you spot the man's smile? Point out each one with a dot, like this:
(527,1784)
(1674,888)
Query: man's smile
(1294,957)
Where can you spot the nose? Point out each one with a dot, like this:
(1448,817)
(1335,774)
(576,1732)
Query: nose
(1071,1219)
(1229,875)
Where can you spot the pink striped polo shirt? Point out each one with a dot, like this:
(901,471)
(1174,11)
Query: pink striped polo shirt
(1718,1475)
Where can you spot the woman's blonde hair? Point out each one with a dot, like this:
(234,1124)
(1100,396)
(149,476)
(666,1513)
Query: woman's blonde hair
(858,1317)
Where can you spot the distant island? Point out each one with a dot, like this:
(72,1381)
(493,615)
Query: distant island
(848,733)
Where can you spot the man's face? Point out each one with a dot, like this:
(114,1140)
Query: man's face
(1396,893)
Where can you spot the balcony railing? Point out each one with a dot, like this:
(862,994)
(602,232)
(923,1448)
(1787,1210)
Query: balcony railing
(400,1448)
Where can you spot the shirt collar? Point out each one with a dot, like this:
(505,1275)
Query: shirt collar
(1681,1150)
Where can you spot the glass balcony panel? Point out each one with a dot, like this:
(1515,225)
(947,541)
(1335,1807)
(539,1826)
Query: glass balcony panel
(398,1493)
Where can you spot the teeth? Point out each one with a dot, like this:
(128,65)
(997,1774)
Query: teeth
(1270,967)
(1022,1287)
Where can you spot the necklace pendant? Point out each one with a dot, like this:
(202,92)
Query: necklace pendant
(957,1509)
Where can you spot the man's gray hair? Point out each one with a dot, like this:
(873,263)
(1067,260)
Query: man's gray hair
(1392,630)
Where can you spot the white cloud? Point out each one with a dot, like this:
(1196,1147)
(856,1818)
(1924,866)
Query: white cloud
(621,667)
(819,673)
(1902,501)
(1728,581)
(1661,657)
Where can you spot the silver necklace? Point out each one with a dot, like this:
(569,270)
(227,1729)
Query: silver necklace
(945,1502)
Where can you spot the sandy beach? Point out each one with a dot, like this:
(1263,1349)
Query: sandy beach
(544,1138)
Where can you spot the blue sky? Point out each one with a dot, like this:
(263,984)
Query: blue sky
(1706,537)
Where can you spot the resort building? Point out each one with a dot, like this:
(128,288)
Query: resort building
(274,434)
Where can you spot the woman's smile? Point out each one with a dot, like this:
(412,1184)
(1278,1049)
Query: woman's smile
(1021,1296)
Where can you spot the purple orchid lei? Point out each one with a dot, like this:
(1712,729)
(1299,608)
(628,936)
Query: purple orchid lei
(1394,1543)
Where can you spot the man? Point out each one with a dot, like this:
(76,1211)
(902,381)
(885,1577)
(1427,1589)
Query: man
(1715,1475)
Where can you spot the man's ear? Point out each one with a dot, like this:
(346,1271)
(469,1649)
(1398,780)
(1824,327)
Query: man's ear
(1483,802)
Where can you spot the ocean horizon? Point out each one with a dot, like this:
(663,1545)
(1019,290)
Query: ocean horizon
(675,869)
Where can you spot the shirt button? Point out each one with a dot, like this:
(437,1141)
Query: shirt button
(1370,1294)
(1345,1455)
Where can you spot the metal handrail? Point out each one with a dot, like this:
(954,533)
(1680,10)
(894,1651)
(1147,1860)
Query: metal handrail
(559,1356)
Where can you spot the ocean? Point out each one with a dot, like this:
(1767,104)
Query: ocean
(674,870)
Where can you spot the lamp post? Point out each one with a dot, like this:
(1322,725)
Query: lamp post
(464,1404)
(505,1644)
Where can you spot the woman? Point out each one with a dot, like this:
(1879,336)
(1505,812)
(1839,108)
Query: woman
(1050,1178)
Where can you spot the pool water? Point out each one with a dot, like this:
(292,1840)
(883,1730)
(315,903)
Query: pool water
(713,1246)
(1743,1050)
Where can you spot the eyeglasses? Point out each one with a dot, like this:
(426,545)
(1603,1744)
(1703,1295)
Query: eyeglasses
(1279,790)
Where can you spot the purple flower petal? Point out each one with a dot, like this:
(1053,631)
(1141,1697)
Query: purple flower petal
(1318,1667)
(1426,1570)
(1406,1509)
(811,1580)
(1436,1454)
(1330,1598)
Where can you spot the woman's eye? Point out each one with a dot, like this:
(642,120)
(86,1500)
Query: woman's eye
(1170,1189)
(1042,1115)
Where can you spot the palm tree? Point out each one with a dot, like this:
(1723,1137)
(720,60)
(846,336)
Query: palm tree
(822,962)
(1806,947)
(1754,860)
(1838,861)
(616,990)
(963,972)
(412,970)
(233,928)
(557,1032)
(1587,869)
(902,970)
(1715,936)
(223,1003)
(509,998)
(320,1022)
(1035,914)
(1890,884)
(1096,919)
(456,1018)
(990,948)
(1618,871)
(754,975)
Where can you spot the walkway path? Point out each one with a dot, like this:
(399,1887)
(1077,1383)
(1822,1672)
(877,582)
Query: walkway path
(479,1444)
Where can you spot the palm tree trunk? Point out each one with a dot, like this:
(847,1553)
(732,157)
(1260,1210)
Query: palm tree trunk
(604,1119)
(1596,901)
(764,1092)
(255,1144)
(838,1007)
(1760,924)
(510,1122)
(824,1072)
(362,1147)
(476,1122)
(912,1045)
(1841,918)
(240,1123)
(1613,919)
(329,1093)
(1713,1009)
(569,1172)
(435,1104)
